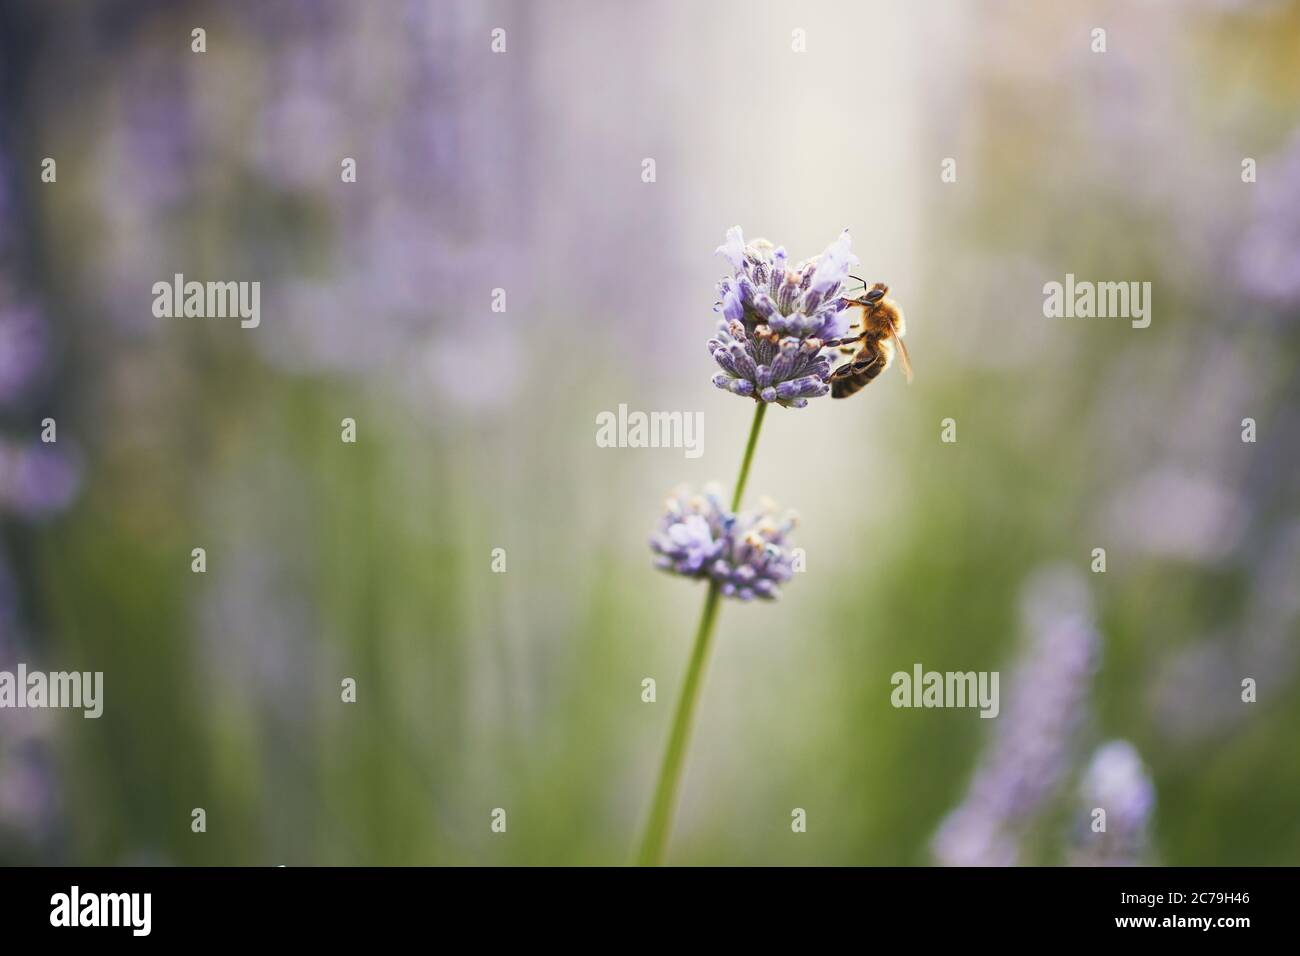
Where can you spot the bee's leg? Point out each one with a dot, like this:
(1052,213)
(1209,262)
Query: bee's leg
(858,367)
(836,343)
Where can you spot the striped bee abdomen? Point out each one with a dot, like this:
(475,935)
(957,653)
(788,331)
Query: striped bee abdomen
(851,377)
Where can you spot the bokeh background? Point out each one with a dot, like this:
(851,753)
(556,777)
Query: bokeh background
(476,430)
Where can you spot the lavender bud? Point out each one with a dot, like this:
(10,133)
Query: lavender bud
(1116,782)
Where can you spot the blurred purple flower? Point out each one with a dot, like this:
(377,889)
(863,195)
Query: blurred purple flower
(24,338)
(746,554)
(403,262)
(1171,514)
(29,793)
(30,797)
(367,274)
(1034,741)
(1197,690)
(1116,781)
(1269,258)
(301,123)
(24,343)
(775,319)
(37,479)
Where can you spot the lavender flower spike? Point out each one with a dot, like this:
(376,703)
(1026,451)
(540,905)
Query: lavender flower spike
(1033,747)
(1117,782)
(37,480)
(1269,257)
(775,319)
(745,554)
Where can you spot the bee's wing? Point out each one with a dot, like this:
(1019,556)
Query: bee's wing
(902,353)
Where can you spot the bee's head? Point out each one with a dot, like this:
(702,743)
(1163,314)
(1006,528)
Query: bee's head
(874,294)
(868,299)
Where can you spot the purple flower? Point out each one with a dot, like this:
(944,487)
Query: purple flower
(1116,781)
(1171,513)
(30,793)
(1034,743)
(745,554)
(775,320)
(1269,258)
(37,479)
(23,346)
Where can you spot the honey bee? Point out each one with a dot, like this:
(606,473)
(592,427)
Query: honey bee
(882,329)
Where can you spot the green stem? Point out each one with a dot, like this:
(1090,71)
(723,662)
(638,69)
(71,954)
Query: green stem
(749,454)
(657,829)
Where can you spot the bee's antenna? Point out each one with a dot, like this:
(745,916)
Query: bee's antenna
(877,291)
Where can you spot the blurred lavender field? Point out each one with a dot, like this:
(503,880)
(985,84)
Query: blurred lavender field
(522,171)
